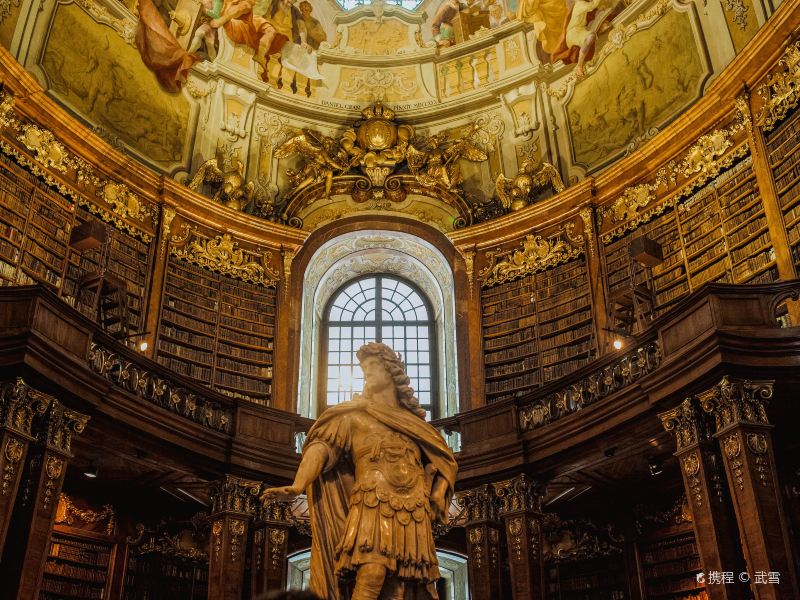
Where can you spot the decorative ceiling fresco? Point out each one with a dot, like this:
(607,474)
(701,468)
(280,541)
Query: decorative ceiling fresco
(210,92)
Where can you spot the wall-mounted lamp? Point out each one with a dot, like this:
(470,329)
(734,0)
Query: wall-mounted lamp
(143,345)
(91,472)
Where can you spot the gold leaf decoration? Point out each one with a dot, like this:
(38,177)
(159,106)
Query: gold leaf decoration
(222,255)
(780,93)
(537,254)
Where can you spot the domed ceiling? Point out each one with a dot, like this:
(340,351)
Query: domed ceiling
(449,112)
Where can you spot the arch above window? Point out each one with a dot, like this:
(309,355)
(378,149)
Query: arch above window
(354,254)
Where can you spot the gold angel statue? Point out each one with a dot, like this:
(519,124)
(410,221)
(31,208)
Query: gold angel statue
(322,158)
(515,193)
(437,161)
(232,189)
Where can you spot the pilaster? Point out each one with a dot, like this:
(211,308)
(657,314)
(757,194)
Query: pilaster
(713,520)
(483,542)
(234,502)
(744,434)
(270,542)
(520,507)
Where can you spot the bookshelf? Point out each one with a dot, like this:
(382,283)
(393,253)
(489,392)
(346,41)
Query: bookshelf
(217,330)
(77,567)
(35,223)
(783,149)
(536,329)
(719,234)
(670,565)
(127,261)
(158,575)
(601,578)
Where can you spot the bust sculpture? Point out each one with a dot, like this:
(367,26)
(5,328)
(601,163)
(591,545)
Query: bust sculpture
(377,475)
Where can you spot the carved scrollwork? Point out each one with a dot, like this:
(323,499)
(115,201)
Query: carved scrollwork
(479,503)
(237,495)
(152,388)
(737,401)
(537,253)
(781,92)
(688,423)
(62,424)
(588,390)
(223,256)
(518,494)
(629,203)
(579,539)
(19,403)
(67,512)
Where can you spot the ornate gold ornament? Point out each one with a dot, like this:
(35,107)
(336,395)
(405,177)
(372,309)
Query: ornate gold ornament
(7,118)
(216,533)
(588,228)
(364,162)
(167,216)
(732,446)
(519,494)
(517,192)
(62,424)
(13,452)
(739,10)
(48,151)
(67,512)
(288,257)
(237,495)
(691,466)
(124,203)
(52,469)
(629,203)
(19,403)
(223,256)
(537,254)
(476,535)
(478,503)
(737,401)
(236,530)
(688,424)
(757,443)
(226,174)
(781,92)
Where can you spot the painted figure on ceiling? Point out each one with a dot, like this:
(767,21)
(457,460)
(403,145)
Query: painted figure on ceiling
(442,26)
(315,33)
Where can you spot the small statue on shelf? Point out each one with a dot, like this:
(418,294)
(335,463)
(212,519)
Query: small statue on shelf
(228,177)
(516,193)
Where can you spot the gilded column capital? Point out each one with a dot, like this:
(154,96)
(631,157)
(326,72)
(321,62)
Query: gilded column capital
(687,422)
(275,511)
(479,503)
(737,402)
(19,403)
(62,424)
(234,494)
(519,494)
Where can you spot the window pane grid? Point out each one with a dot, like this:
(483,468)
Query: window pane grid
(382,309)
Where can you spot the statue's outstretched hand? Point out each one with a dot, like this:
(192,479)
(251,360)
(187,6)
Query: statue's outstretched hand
(439,508)
(286,492)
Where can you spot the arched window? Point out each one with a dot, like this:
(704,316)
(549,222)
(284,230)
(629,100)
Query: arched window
(382,308)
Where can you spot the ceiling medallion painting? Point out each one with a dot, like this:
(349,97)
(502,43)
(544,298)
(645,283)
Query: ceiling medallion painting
(380,164)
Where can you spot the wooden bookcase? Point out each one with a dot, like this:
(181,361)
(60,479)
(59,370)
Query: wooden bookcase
(601,578)
(217,330)
(78,566)
(156,575)
(128,260)
(719,234)
(669,566)
(35,223)
(536,329)
(783,146)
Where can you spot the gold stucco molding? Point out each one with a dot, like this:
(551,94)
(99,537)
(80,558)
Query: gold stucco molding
(781,92)
(223,255)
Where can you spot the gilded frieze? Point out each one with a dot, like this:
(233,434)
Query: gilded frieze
(223,255)
(780,93)
(537,254)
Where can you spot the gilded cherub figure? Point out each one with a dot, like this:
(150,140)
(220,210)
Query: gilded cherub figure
(228,176)
(516,193)
(436,163)
(323,157)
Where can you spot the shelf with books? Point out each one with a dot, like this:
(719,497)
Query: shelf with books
(599,578)
(783,150)
(218,330)
(77,567)
(158,575)
(670,563)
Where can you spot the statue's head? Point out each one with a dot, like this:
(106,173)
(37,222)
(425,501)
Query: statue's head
(382,367)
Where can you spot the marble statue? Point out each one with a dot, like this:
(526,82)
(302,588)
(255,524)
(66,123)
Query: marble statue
(377,475)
